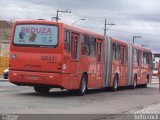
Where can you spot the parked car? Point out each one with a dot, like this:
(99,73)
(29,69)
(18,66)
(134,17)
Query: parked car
(5,73)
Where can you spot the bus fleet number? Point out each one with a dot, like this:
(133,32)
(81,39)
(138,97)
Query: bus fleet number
(49,58)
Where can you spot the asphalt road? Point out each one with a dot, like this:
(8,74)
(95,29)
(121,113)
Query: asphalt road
(23,100)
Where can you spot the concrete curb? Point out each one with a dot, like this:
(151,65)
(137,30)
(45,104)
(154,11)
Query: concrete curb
(4,80)
(154,83)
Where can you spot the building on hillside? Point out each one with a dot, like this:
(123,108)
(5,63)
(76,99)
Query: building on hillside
(5,36)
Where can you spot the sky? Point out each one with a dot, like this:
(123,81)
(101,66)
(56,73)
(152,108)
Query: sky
(131,17)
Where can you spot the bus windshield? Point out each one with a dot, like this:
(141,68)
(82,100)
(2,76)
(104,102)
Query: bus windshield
(36,35)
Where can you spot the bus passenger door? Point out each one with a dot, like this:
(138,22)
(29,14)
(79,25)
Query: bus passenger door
(74,64)
(123,65)
(99,65)
(138,67)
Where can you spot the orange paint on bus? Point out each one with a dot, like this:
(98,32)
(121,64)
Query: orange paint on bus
(64,55)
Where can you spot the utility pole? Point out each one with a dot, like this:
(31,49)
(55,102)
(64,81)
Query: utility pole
(62,11)
(134,37)
(105,26)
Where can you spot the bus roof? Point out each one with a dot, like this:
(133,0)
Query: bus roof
(141,48)
(66,26)
(119,41)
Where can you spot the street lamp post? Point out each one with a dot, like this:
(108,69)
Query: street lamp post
(77,21)
(134,37)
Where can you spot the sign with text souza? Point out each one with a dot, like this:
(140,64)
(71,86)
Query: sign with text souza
(36,35)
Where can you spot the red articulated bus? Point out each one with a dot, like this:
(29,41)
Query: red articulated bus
(141,65)
(126,64)
(46,54)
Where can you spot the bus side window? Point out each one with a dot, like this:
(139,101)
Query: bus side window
(114,51)
(148,58)
(135,56)
(144,58)
(99,52)
(138,57)
(123,57)
(85,45)
(74,44)
(118,52)
(93,46)
(67,40)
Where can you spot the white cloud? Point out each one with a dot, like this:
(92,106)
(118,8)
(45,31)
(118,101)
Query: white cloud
(132,17)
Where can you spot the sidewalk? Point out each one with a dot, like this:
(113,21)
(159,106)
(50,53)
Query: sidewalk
(3,80)
(155,80)
(150,109)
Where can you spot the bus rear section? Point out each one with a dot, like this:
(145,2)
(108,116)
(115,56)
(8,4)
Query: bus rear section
(140,66)
(36,55)
(126,64)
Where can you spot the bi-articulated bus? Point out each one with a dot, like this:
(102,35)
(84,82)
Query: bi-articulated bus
(46,54)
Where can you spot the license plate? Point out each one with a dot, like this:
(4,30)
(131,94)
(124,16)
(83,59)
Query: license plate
(33,77)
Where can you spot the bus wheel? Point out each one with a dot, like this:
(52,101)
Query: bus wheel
(115,84)
(41,89)
(83,86)
(147,79)
(134,83)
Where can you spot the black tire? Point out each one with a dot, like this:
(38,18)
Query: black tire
(134,83)
(145,86)
(5,77)
(83,86)
(147,80)
(41,89)
(115,84)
